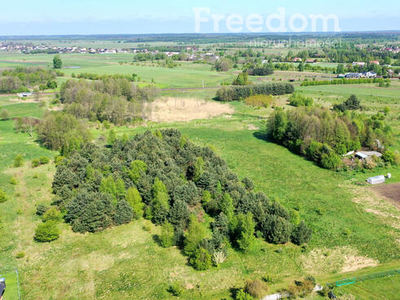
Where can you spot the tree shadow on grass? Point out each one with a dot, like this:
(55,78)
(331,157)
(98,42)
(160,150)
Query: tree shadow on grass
(263,135)
(156,239)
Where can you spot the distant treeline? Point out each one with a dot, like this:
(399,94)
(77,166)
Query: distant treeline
(167,179)
(43,51)
(116,100)
(323,135)
(93,76)
(21,79)
(345,81)
(241,92)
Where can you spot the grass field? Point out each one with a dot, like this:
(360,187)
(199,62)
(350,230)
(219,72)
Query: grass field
(354,231)
(186,74)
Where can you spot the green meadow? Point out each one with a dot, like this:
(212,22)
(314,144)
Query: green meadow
(354,231)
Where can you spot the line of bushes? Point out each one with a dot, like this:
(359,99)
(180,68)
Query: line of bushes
(344,81)
(241,92)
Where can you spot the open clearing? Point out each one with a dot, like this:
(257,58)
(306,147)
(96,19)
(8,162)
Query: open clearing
(170,109)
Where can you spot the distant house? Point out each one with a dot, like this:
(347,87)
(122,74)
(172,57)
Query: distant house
(368,75)
(371,74)
(24,94)
(374,62)
(352,75)
(376,180)
(359,63)
(297,59)
(170,54)
(311,61)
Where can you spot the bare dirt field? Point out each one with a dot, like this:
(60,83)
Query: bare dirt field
(390,192)
(184,109)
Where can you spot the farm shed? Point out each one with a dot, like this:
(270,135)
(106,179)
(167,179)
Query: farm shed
(367,154)
(376,180)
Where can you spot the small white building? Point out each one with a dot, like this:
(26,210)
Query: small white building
(376,180)
(24,94)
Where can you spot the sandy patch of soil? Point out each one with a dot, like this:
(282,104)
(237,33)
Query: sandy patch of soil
(184,109)
(337,260)
(252,127)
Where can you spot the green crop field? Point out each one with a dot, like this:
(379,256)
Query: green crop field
(187,74)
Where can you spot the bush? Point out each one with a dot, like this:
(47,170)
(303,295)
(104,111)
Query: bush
(331,161)
(301,288)
(176,289)
(301,234)
(259,100)
(391,157)
(52,215)
(18,161)
(47,232)
(4,115)
(350,104)
(201,259)
(298,99)
(218,257)
(43,160)
(242,295)
(3,197)
(35,163)
(41,209)
(256,288)
(167,235)
(13,181)
(20,255)
(278,230)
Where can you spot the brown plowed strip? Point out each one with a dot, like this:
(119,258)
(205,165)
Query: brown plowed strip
(389,191)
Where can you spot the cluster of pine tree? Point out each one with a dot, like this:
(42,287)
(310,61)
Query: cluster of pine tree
(115,100)
(242,92)
(169,180)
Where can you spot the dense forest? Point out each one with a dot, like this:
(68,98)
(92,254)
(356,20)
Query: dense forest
(164,177)
(116,100)
(324,136)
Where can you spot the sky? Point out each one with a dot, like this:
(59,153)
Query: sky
(44,17)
